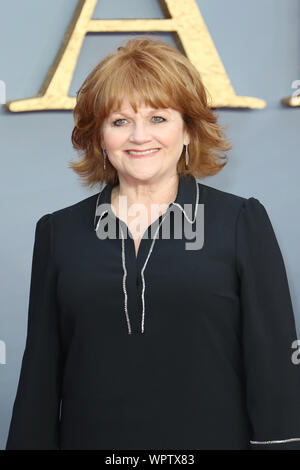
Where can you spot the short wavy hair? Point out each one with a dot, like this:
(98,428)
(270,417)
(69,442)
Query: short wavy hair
(162,77)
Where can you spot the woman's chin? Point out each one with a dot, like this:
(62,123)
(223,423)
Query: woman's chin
(145,173)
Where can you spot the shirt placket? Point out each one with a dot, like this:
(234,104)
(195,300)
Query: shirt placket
(135,278)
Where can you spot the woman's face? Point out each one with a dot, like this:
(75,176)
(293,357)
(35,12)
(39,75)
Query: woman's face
(147,129)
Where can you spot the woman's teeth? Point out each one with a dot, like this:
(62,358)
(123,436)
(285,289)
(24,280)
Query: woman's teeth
(132,152)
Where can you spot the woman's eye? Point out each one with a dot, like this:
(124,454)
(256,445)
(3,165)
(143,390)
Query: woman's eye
(117,120)
(114,123)
(159,117)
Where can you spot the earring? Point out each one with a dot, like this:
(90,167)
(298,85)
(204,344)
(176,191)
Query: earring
(186,155)
(105,155)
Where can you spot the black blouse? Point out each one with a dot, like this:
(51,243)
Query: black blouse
(174,348)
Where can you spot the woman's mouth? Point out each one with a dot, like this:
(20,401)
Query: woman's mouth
(148,153)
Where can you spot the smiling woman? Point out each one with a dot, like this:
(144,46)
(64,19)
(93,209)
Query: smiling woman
(141,119)
(171,340)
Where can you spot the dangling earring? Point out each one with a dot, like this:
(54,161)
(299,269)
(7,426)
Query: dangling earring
(105,155)
(186,156)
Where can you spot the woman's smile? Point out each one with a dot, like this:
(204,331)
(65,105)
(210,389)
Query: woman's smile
(148,153)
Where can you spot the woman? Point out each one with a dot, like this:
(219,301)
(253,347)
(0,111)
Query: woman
(139,338)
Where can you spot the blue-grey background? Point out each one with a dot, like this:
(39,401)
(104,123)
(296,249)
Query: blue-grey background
(259,44)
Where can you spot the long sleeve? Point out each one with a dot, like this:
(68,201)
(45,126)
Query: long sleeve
(268,331)
(35,416)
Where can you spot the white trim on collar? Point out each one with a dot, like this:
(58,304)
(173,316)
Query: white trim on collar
(191,221)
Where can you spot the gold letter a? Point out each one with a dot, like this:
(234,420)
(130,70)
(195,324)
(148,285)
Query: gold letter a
(183,19)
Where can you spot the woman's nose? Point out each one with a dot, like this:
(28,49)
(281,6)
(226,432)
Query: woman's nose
(140,130)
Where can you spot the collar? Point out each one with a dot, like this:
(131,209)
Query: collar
(187,194)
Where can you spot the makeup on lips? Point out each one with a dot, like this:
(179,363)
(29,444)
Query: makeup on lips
(140,154)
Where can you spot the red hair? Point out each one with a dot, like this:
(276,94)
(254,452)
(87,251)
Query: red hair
(162,77)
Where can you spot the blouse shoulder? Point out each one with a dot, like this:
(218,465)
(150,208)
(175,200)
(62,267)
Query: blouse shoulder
(44,238)
(256,241)
(253,218)
(43,228)
(44,220)
(251,204)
